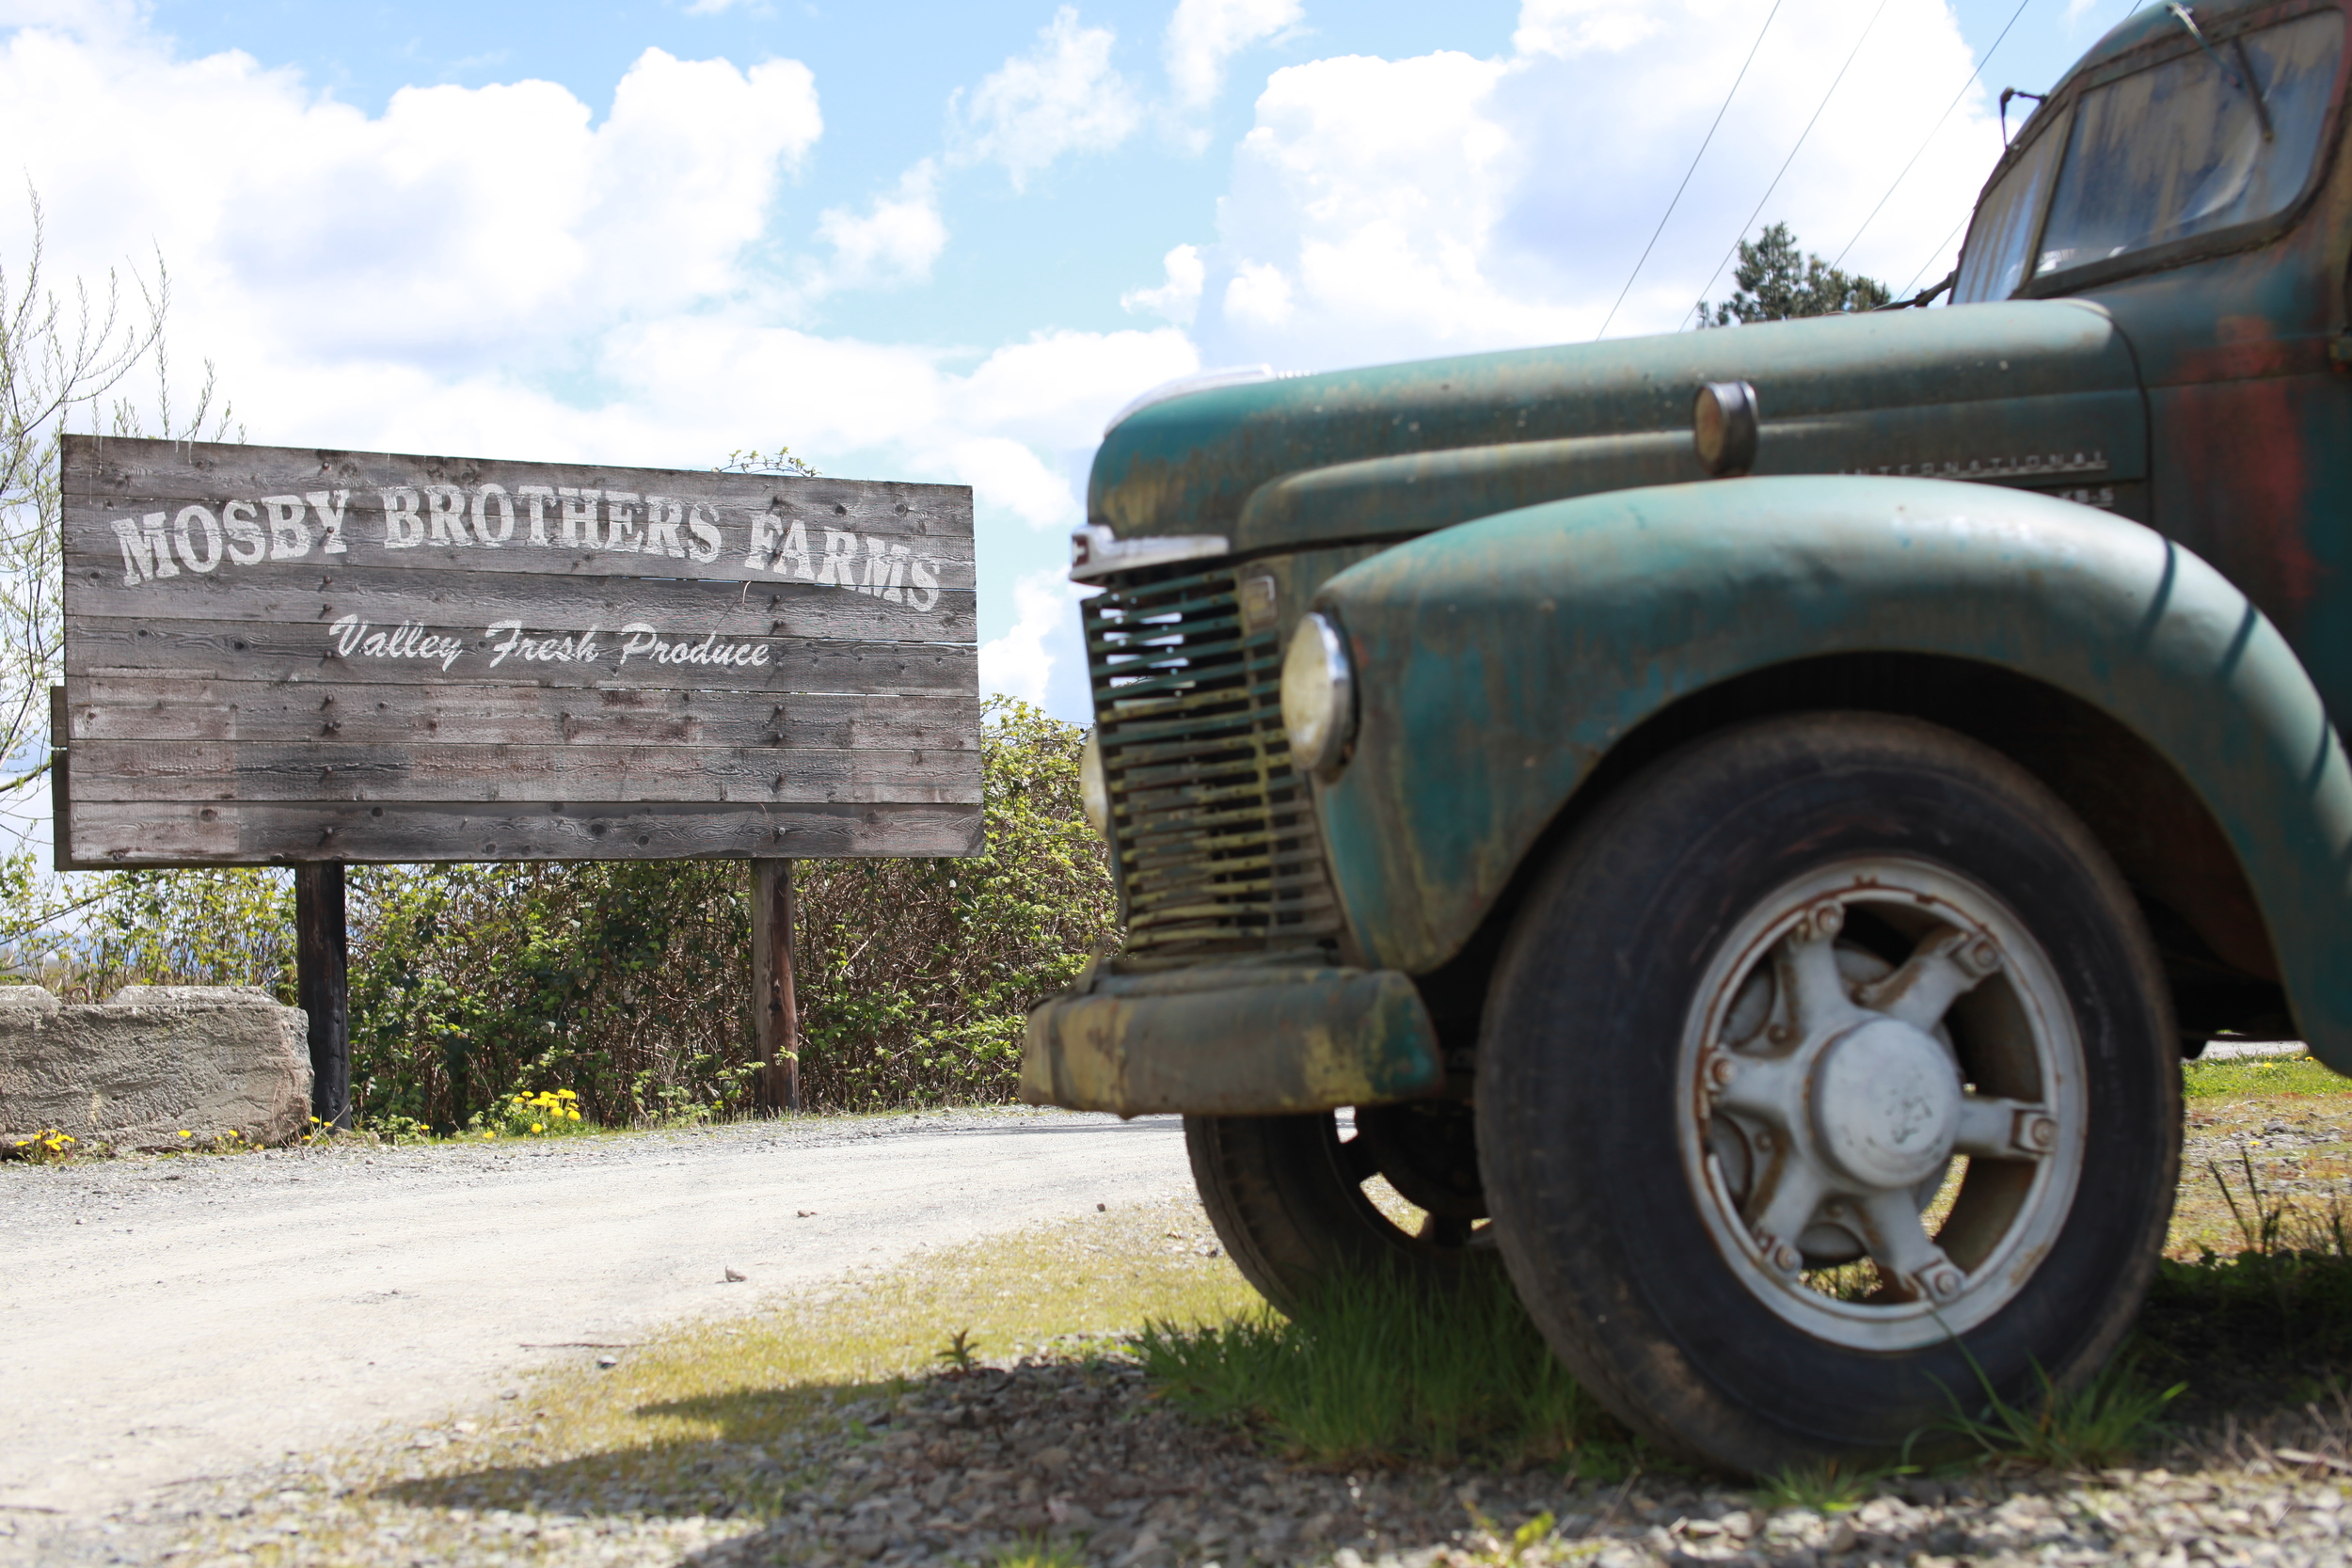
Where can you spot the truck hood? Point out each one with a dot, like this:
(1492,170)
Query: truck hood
(2039,393)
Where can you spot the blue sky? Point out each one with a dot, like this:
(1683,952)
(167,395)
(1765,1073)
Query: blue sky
(943,241)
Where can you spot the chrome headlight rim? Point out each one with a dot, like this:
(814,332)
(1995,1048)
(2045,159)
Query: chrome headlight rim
(1318,695)
(1094,788)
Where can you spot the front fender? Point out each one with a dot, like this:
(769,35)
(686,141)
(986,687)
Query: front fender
(1499,662)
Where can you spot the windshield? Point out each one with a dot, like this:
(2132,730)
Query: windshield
(2178,150)
(1993,262)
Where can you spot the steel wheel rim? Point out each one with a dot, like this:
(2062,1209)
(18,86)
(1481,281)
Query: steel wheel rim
(1830,1083)
(1354,1154)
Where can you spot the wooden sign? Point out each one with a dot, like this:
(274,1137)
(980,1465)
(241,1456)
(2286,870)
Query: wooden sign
(278,656)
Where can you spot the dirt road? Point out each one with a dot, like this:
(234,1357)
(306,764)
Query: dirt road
(168,1320)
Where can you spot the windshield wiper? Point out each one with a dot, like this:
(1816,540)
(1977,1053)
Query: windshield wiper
(1924,298)
(2245,83)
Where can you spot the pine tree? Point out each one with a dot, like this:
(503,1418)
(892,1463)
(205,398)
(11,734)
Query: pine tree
(1776,282)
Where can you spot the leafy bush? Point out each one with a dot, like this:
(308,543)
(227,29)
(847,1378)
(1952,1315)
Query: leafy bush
(228,925)
(629,983)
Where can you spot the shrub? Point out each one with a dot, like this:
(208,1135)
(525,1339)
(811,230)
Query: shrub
(629,983)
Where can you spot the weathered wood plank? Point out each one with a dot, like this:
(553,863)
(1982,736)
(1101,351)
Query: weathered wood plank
(308,591)
(261,650)
(409,512)
(332,770)
(107,835)
(291,656)
(162,708)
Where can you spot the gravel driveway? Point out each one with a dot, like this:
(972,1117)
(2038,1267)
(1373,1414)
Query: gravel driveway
(168,1321)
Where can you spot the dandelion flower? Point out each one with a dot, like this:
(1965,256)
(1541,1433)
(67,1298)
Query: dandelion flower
(537,1127)
(185,1133)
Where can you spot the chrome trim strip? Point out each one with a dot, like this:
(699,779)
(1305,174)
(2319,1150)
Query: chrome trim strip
(1095,552)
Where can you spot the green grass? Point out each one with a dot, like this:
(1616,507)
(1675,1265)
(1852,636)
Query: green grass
(1385,1371)
(1037,1553)
(2259,1075)
(2278,1310)
(1825,1488)
(2105,1422)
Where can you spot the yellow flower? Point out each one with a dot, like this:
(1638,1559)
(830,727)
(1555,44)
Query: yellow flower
(535,1127)
(185,1133)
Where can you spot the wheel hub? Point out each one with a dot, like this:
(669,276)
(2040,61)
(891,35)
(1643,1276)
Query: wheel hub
(1839,1081)
(1886,1101)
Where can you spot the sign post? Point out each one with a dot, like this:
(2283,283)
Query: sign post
(323,986)
(776,1013)
(282,656)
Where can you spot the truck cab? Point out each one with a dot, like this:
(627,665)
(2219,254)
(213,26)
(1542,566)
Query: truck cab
(1737,830)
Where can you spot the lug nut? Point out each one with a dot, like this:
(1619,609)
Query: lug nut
(1787,1258)
(1943,1282)
(2039,1134)
(1987,957)
(1720,1071)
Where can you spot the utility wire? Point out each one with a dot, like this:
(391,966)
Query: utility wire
(1792,154)
(1931,134)
(1904,292)
(1692,169)
(2130,6)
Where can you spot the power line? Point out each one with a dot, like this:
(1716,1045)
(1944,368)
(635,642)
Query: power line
(1904,292)
(1692,169)
(2129,7)
(1931,134)
(1792,154)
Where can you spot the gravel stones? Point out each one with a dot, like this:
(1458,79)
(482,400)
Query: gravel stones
(1074,1453)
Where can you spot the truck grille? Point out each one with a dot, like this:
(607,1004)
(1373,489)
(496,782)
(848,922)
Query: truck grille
(1217,849)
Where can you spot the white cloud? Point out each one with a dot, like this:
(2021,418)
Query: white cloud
(895,240)
(490,270)
(462,227)
(1021,664)
(1179,298)
(1062,96)
(1509,205)
(1567,28)
(1204,35)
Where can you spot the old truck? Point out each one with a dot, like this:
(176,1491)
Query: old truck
(1738,828)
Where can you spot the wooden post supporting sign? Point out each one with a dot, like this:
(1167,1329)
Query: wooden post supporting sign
(323,986)
(776,1014)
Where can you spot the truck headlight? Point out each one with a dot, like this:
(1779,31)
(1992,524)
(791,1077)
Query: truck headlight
(1094,791)
(1318,695)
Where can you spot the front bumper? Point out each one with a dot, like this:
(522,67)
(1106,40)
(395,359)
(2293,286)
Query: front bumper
(1232,1041)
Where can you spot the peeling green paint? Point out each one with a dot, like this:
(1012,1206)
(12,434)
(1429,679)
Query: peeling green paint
(1660,593)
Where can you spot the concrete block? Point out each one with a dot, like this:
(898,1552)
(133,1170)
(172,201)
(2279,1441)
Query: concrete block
(153,1061)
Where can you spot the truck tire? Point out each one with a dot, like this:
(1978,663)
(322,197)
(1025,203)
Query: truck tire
(1773,1005)
(1286,1195)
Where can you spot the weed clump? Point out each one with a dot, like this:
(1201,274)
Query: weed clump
(2102,1424)
(47,1147)
(2278,1310)
(1384,1368)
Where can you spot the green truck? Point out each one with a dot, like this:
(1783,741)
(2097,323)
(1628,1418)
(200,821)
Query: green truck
(1739,829)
